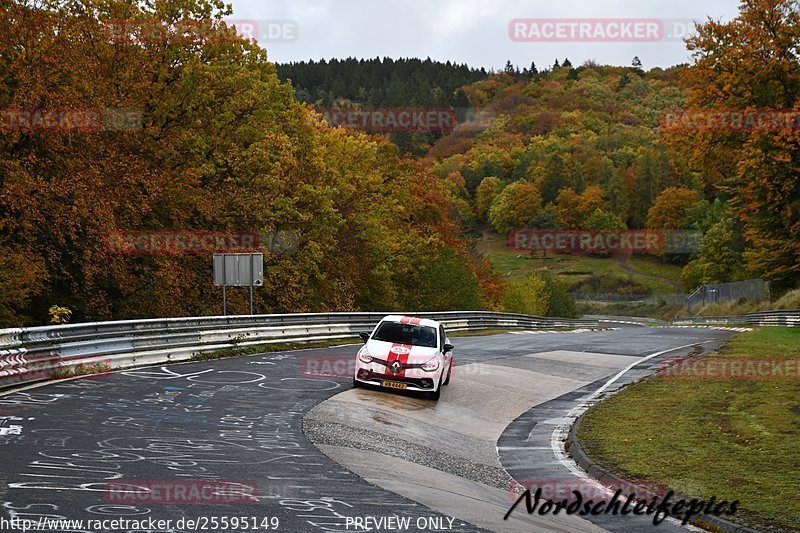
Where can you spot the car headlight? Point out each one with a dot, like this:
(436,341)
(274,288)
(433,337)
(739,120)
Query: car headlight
(364,356)
(431,366)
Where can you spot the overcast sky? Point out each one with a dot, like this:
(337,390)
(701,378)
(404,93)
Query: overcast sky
(475,32)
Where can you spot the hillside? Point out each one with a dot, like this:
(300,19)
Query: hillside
(587,148)
(384,83)
(569,129)
(380,82)
(566,147)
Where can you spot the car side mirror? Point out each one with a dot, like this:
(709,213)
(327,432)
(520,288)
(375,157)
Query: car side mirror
(364,336)
(448,348)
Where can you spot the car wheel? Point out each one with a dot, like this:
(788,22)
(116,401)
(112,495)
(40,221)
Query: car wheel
(449,371)
(356,384)
(437,393)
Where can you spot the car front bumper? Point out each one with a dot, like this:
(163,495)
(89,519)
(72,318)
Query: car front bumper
(426,383)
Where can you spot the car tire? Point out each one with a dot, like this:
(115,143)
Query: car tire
(449,371)
(356,384)
(437,393)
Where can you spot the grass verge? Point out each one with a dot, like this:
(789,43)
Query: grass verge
(487,332)
(572,269)
(661,311)
(240,351)
(80,370)
(735,439)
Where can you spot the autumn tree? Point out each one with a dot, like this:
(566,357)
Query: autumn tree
(704,214)
(605,221)
(669,209)
(645,187)
(750,64)
(554,178)
(605,172)
(220,145)
(617,195)
(720,258)
(538,294)
(591,199)
(515,207)
(573,210)
(546,219)
(440,282)
(567,212)
(485,195)
(578,180)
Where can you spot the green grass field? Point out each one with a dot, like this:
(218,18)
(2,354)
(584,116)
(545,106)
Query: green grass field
(735,439)
(651,273)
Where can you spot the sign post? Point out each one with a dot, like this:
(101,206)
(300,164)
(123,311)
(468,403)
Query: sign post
(238,270)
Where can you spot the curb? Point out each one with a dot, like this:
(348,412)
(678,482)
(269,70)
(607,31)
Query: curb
(711,522)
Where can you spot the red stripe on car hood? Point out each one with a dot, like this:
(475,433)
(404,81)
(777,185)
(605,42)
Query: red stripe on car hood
(398,352)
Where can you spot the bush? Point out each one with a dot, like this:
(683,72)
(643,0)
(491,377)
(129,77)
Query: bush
(610,285)
(720,259)
(790,300)
(539,294)
(604,221)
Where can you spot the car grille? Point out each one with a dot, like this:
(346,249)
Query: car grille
(395,367)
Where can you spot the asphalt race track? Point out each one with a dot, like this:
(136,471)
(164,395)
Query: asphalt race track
(251,421)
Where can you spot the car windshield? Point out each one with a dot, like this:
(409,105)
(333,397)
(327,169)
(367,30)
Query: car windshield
(406,334)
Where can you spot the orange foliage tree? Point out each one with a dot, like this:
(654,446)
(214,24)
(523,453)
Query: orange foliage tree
(669,209)
(221,145)
(750,65)
(515,207)
(573,210)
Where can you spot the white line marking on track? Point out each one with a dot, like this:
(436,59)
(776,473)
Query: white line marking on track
(560,433)
(720,328)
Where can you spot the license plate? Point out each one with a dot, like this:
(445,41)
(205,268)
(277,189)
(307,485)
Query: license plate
(395,385)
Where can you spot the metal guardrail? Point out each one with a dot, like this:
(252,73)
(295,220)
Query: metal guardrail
(644,321)
(41,353)
(710,320)
(775,318)
(762,318)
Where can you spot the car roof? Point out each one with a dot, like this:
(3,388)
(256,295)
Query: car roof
(416,321)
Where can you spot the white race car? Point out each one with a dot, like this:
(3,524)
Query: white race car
(405,353)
